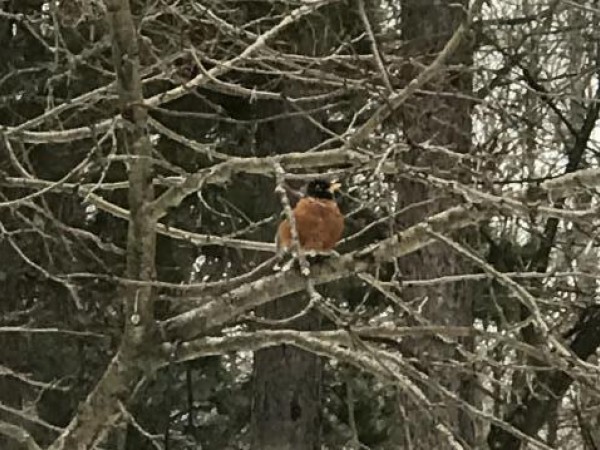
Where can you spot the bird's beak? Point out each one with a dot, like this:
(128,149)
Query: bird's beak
(334,186)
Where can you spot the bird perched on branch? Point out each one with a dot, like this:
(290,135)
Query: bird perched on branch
(319,222)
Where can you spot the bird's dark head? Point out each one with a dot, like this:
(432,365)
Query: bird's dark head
(321,188)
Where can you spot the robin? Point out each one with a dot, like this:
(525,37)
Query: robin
(319,222)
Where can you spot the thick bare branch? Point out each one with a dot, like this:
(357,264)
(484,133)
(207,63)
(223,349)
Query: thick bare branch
(19,434)
(565,184)
(220,311)
(221,173)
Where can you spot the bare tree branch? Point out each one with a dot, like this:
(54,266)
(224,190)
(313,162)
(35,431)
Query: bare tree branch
(220,311)
(548,387)
(20,435)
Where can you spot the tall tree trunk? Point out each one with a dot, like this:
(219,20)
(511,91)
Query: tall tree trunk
(286,381)
(443,120)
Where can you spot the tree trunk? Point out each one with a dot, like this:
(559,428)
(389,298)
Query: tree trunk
(286,381)
(287,391)
(443,120)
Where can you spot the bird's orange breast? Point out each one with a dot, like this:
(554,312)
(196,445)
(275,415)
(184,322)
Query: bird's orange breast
(319,224)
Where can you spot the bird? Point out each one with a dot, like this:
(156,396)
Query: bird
(319,221)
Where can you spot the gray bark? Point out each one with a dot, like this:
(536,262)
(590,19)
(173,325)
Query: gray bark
(446,121)
(286,400)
